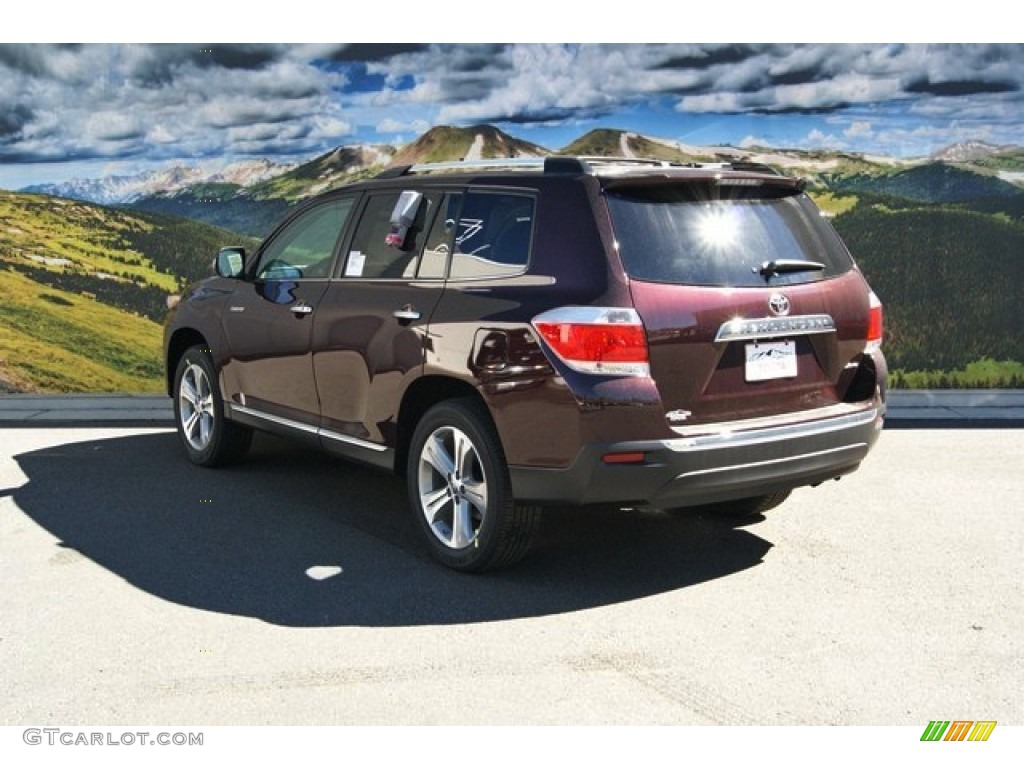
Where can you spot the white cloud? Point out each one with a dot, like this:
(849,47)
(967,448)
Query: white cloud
(163,101)
(711,102)
(330,128)
(818,139)
(173,101)
(835,93)
(390,125)
(859,129)
(934,137)
(113,126)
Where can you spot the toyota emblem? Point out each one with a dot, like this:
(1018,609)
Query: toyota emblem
(778,304)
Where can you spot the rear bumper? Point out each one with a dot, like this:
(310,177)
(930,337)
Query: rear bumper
(732,462)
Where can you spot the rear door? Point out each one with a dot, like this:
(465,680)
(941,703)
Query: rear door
(371,325)
(752,305)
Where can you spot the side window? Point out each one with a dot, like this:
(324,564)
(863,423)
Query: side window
(494,235)
(439,240)
(305,247)
(372,254)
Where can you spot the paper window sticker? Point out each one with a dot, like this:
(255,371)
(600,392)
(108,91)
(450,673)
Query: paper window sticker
(356,262)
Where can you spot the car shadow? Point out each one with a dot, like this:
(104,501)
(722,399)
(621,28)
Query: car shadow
(267,539)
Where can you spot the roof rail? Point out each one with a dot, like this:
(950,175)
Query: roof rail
(589,164)
(480,165)
(486,164)
(615,160)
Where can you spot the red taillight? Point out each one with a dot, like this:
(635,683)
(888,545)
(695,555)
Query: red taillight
(874,322)
(603,340)
(596,343)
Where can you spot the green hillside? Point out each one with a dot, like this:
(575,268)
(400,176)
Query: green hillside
(951,279)
(219,205)
(1010,159)
(255,210)
(57,341)
(607,142)
(83,291)
(641,146)
(931,183)
(600,142)
(447,142)
(337,167)
(83,287)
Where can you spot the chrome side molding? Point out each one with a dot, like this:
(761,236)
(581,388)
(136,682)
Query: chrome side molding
(308,428)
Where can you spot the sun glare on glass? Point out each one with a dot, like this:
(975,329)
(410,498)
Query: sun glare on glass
(716,228)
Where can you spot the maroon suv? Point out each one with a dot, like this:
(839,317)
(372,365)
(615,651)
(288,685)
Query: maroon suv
(513,334)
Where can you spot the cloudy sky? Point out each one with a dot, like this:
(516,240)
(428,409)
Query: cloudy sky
(91,110)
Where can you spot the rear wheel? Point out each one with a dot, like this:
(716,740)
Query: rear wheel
(210,440)
(460,493)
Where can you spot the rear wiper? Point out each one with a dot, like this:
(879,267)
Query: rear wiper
(770,269)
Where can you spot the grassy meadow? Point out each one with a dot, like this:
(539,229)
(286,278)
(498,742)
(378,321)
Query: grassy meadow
(82,296)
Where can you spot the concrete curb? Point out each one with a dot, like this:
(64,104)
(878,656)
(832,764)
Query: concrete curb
(965,407)
(906,408)
(86,410)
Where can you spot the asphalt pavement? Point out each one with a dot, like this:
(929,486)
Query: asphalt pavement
(906,408)
(295,589)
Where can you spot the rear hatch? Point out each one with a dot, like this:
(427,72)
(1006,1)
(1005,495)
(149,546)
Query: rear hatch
(751,303)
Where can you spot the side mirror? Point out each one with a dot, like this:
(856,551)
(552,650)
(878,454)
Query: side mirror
(230,262)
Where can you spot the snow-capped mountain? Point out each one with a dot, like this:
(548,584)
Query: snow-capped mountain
(111,190)
(177,189)
(327,170)
(116,190)
(245,173)
(966,151)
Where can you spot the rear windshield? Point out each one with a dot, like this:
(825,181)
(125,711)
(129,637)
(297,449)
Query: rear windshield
(676,234)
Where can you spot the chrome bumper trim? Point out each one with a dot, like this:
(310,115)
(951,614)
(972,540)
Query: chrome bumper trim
(729,438)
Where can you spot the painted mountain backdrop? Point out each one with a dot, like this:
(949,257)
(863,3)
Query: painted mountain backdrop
(86,266)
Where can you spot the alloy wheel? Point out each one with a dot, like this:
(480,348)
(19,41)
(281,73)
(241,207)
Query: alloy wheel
(452,487)
(195,400)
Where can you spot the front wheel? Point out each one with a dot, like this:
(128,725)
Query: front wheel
(460,493)
(209,439)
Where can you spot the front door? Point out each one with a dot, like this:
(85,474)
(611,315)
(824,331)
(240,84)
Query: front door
(269,320)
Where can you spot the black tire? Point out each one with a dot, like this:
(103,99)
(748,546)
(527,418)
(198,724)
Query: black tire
(741,508)
(210,440)
(460,493)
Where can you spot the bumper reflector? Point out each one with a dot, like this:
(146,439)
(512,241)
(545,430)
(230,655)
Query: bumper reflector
(633,457)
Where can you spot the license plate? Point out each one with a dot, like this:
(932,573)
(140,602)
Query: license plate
(771,360)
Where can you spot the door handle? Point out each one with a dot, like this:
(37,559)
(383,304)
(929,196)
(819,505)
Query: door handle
(301,309)
(406,313)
